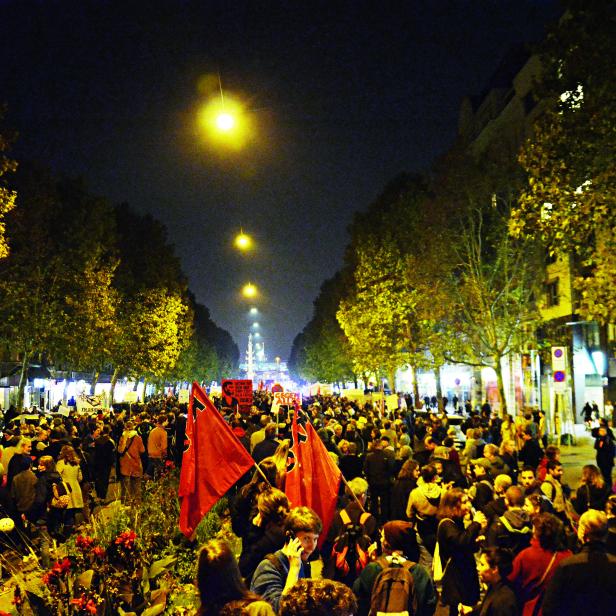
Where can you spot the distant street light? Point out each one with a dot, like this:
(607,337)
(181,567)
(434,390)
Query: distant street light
(243,241)
(254,310)
(225,122)
(249,290)
(255,325)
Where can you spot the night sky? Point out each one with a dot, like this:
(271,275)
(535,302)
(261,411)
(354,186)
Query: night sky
(344,96)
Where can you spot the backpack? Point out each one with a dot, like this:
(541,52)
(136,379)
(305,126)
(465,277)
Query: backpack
(393,591)
(61,498)
(350,550)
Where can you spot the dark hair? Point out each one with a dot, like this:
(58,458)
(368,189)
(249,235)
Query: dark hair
(551,451)
(219,580)
(610,506)
(303,519)
(500,558)
(451,500)
(428,472)
(318,597)
(273,505)
(552,464)
(550,531)
(406,472)
(270,430)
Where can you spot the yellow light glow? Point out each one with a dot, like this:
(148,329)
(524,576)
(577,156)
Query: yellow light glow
(243,241)
(225,122)
(249,290)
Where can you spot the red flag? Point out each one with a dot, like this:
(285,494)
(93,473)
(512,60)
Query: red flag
(313,478)
(213,460)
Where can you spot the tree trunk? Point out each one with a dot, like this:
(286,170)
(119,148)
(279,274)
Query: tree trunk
(114,380)
(501,387)
(95,376)
(145,384)
(416,401)
(23,380)
(439,386)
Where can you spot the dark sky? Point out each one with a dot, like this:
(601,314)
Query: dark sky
(344,96)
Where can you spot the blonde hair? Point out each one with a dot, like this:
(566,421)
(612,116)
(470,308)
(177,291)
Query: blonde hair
(69,455)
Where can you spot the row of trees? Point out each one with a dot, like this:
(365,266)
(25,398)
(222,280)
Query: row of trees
(450,267)
(90,287)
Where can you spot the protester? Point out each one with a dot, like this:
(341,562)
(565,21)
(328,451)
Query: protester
(130,449)
(69,470)
(318,598)
(592,492)
(457,546)
(220,584)
(400,549)
(586,580)
(534,567)
(267,533)
(276,575)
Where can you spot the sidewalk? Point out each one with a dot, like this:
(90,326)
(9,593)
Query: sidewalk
(574,457)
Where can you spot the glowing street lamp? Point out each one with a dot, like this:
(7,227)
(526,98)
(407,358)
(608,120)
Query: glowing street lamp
(254,310)
(255,325)
(243,241)
(249,290)
(225,122)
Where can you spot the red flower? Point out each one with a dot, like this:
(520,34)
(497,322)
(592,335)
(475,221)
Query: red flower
(61,567)
(126,539)
(98,552)
(84,543)
(169,464)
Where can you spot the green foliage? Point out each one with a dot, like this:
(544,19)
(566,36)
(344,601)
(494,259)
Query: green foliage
(7,195)
(570,198)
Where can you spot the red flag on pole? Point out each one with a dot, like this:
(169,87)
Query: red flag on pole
(313,478)
(213,460)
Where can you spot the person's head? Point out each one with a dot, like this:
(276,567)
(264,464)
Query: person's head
(490,451)
(429,474)
(514,497)
(507,447)
(218,577)
(502,483)
(385,442)
(535,504)
(270,430)
(161,420)
(526,478)
(69,455)
(405,452)
(318,597)
(337,430)
(227,388)
(273,507)
(454,504)
(46,463)
(399,536)
(552,452)
(592,526)
(495,564)
(610,506)
(555,469)
(24,446)
(481,468)
(305,524)
(358,487)
(409,470)
(549,531)
(592,476)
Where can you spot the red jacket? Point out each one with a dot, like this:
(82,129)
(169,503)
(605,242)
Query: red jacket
(528,569)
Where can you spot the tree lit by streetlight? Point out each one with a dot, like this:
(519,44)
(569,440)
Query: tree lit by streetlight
(249,290)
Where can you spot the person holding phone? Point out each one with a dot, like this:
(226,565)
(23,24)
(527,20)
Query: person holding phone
(279,571)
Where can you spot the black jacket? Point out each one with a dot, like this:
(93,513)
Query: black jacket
(500,600)
(583,584)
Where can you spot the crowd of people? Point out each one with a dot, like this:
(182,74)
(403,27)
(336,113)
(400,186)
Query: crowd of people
(476,516)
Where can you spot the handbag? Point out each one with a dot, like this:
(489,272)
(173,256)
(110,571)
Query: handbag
(438,571)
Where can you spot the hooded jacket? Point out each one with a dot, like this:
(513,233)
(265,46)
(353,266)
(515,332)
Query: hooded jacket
(512,530)
(424,500)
